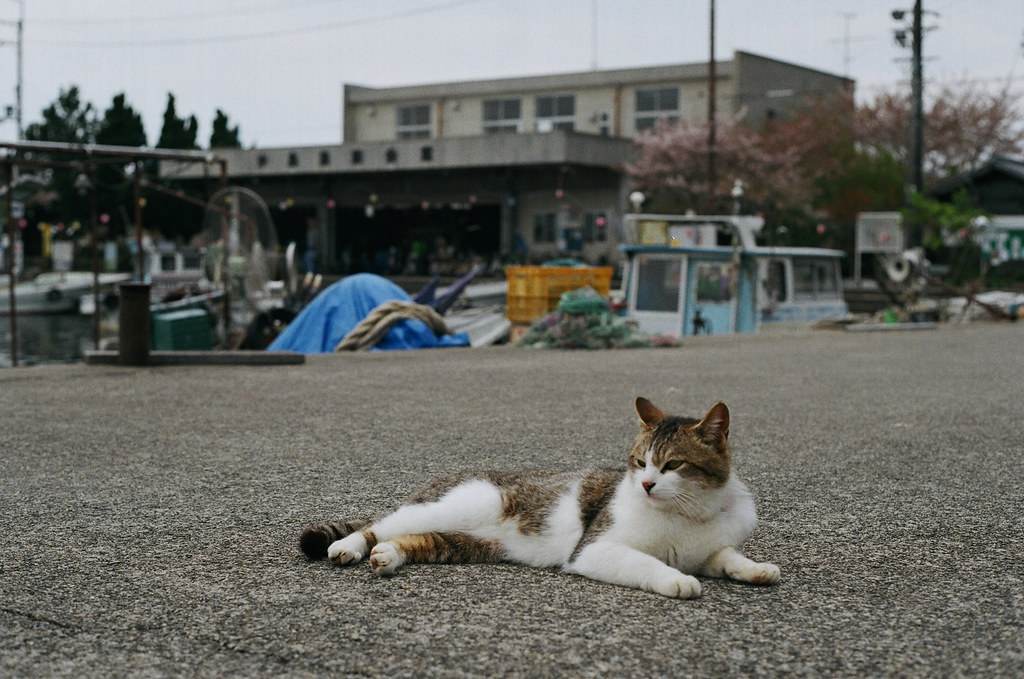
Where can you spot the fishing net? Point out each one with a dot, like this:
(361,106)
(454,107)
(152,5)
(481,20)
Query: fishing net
(583,320)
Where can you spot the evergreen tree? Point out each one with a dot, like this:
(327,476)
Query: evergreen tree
(121,125)
(224,136)
(68,119)
(177,133)
(174,218)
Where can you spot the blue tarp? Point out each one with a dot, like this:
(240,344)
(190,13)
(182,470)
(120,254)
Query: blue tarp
(340,307)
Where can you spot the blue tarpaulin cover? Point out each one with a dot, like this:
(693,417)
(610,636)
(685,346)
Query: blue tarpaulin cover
(340,307)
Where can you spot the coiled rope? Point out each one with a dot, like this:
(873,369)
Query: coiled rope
(372,328)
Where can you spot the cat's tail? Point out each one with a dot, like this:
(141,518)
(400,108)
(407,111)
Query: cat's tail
(315,539)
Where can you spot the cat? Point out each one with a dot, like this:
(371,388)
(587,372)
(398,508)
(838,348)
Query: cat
(675,511)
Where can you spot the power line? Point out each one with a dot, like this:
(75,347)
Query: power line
(240,37)
(54,21)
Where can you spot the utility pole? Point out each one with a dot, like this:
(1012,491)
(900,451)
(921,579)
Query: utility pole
(711,112)
(917,85)
(593,35)
(18,86)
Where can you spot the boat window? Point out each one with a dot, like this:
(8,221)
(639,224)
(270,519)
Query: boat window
(815,279)
(714,283)
(657,287)
(168,262)
(775,286)
(828,286)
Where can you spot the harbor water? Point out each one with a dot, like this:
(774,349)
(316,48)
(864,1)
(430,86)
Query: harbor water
(42,339)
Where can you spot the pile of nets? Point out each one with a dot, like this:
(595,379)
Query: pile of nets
(583,320)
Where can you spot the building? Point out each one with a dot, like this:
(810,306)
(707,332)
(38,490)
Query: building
(997,187)
(527,167)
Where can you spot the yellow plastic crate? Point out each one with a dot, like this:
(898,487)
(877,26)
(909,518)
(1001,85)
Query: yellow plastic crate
(535,290)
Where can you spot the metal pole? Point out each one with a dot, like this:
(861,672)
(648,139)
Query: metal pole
(140,260)
(95,259)
(225,274)
(711,113)
(10,264)
(18,86)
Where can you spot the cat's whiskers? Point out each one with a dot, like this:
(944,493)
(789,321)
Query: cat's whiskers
(689,506)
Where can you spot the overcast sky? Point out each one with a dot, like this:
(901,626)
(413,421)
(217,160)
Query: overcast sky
(276,66)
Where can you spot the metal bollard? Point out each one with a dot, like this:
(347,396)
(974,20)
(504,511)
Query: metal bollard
(133,324)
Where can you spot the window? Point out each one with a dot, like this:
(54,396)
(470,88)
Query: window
(815,279)
(426,153)
(502,115)
(391,155)
(775,285)
(293,159)
(657,287)
(414,122)
(714,283)
(656,104)
(595,227)
(544,227)
(357,157)
(261,160)
(325,158)
(556,112)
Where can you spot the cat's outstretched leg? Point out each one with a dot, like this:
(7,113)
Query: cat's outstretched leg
(729,562)
(387,557)
(621,565)
(315,539)
(467,506)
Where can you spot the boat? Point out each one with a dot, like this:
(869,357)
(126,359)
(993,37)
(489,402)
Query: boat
(700,274)
(54,292)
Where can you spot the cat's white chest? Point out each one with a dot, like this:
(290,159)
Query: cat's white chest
(681,542)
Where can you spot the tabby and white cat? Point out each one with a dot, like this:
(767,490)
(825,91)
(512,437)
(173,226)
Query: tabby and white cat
(676,510)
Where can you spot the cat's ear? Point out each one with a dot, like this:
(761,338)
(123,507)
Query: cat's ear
(714,428)
(648,413)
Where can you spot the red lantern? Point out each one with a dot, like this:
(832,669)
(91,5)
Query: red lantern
(821,229)
(330,203)
(104,218)
(559,194)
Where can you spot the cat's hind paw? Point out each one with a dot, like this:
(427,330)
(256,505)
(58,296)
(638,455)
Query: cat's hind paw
(385,559)
(347,551)
(677,586)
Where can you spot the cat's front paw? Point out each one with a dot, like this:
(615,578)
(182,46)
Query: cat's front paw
(761,574)
(677,586)
(348,550)
(385,559)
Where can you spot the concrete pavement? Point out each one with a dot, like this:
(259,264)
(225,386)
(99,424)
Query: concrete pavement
(148,518)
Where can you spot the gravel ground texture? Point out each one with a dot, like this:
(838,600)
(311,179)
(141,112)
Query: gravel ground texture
(148,518)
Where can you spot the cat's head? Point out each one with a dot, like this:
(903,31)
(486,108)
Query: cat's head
(674,460)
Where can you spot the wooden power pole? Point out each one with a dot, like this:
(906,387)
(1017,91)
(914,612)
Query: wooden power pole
(712,178)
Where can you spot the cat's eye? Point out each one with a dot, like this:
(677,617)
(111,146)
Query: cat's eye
(673,464)
(640,462)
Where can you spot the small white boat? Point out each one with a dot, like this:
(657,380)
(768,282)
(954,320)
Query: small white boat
(55,292)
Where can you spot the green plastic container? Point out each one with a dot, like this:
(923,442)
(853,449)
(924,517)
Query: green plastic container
(185,330)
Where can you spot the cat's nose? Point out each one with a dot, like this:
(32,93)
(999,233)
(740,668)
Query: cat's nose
(647,486)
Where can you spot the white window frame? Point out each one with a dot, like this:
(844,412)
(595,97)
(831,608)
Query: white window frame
(502,125)
(656,114)
(556,121)
(412,130)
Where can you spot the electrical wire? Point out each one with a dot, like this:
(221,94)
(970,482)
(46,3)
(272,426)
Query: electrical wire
(240,12)
(278,33)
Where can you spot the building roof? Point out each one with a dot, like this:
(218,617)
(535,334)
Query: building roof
(558,81)
(558,147)
(564,81)
(1007,165)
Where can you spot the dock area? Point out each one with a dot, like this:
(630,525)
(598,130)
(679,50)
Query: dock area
(149,517)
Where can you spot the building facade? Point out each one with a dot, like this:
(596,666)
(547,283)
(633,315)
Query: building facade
(526,168)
